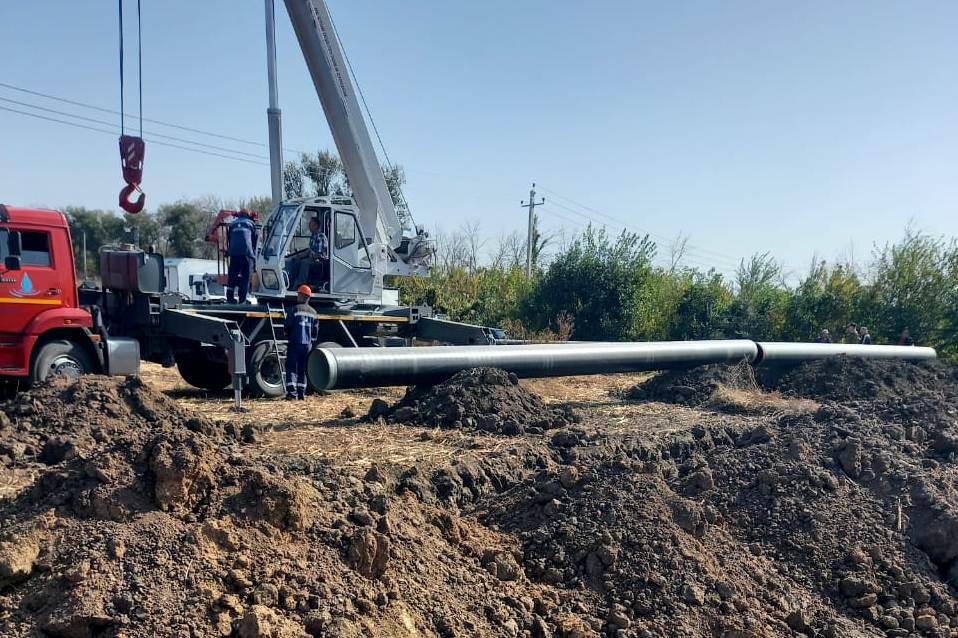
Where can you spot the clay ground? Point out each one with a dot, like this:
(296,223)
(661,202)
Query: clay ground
(820,501)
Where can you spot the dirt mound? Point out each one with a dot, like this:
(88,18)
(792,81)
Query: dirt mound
(693,386)
(845,379)
(480,399)
(144,520)
(840,523)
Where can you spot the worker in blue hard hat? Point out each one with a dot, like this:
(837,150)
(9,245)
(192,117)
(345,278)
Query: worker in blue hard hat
(301,327)
(242,256)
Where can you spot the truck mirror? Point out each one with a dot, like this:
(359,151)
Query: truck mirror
(14,244)
(12,262)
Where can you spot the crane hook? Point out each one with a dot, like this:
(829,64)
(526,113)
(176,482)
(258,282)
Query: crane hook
(129,206)
(132,151)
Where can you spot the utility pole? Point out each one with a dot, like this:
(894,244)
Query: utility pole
(274,116)
(529,236)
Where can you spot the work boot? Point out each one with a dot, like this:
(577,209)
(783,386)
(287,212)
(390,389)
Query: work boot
(290,397)
(301,397)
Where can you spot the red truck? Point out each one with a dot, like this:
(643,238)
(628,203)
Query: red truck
(48,326)
(43,330)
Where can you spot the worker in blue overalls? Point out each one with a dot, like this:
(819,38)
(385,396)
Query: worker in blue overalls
(301,328)
(242,254)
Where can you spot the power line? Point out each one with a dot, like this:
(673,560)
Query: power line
(697,261)
(145,119)
(701,251)
(153,133)
(114,133)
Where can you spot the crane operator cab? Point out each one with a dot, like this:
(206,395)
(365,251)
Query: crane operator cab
(317,242)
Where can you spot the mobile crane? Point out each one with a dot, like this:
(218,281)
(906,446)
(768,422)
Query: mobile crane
(52,327)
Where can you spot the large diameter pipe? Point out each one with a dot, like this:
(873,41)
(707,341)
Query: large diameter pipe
(330,369)
(773,352)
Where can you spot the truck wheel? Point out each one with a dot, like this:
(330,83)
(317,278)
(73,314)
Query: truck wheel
(203,372)
(265,371)
(61,359)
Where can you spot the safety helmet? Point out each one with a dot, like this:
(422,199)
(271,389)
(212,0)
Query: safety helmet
(305,290)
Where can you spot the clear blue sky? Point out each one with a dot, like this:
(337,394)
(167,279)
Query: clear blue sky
(801,128)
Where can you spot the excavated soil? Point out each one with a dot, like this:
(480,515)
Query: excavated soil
(695,386)
(846,379)
(479,399)
(140,518)
(837,379)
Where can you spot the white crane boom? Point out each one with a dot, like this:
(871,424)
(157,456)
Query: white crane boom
(327,66)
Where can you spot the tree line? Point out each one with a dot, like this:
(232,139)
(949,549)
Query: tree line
(601,287)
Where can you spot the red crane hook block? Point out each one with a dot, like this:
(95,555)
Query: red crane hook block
(132,150)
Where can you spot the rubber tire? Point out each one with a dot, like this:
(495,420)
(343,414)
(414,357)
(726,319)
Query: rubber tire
(65,351)
(258,385)
(200,371)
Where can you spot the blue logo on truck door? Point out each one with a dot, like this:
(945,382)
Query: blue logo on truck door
(26,288)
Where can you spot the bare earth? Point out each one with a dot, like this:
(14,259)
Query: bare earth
(823,502)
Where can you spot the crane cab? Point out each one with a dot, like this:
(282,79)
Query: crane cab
(352,268)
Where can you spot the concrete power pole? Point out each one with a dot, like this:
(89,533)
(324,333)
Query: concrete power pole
(529,236)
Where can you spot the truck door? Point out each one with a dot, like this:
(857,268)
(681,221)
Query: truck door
(27,292)
(352,271)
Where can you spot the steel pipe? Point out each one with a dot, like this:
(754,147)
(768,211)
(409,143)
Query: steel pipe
(330,369)
(773,352)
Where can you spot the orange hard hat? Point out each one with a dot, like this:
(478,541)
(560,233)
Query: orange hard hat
(305,290)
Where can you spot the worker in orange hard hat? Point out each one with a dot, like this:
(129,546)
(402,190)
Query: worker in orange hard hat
(301,328)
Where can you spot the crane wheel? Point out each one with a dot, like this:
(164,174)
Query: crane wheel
(265,370)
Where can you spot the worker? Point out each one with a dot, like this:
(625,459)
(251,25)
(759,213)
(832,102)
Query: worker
(905,338)
(314,268)
(851,334)
(301,326)
(866,339)
(242,256)
(824,336)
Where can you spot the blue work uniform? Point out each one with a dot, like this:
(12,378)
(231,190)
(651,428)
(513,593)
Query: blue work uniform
(313,269)
(301,328)
(242,254)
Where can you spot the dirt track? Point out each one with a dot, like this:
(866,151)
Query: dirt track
(140,509)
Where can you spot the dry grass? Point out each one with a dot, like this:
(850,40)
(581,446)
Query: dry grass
(361,445)
(755,401)
(583,389)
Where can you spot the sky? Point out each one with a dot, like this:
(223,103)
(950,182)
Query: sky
(806,129)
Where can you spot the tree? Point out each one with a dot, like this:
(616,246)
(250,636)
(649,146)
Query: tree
(186,224)
(598,283)
(294,185)
(100,228)
(758,311)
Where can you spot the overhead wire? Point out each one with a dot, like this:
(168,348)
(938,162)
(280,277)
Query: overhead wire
(696,260)
(114,132)
(703,252)
(153,133)
(181,127)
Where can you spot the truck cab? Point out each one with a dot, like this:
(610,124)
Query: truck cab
(43,330)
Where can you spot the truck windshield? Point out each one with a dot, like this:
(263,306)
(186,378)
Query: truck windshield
(284,216)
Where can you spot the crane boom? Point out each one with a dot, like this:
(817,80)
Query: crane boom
(327,66)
